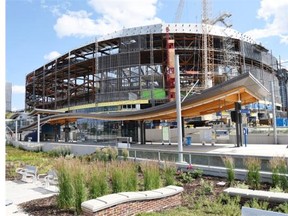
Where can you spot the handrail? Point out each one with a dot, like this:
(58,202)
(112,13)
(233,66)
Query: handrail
(208,159)
(198,153)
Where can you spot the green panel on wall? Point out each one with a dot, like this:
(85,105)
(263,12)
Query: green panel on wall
(157,93)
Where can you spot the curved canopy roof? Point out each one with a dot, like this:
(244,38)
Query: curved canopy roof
(245,88)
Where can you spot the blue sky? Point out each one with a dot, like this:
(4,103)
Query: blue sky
(40,30)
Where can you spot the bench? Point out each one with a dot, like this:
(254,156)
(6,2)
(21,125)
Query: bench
(29,173)
(124,142)
(128,203)
(50,180)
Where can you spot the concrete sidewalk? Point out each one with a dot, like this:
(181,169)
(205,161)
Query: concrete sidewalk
(18,192)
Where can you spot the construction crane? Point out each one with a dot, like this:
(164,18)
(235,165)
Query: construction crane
(179,11)
(170,73)
(206,58)
(170,49)
(208,53)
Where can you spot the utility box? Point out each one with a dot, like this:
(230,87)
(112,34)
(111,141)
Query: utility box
(188,140)
(207,136)
(222,134)
(124,142)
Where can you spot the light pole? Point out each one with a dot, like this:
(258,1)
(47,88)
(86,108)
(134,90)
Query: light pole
(178,109)
(274,112)
(38,128)
(16,130)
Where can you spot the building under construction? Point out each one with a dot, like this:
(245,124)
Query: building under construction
(134,69)
(136,65)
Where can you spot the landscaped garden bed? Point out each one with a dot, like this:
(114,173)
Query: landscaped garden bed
(203,195)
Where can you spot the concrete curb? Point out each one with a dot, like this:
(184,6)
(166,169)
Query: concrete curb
(261,195)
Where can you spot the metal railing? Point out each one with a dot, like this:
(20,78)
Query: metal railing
(199,158)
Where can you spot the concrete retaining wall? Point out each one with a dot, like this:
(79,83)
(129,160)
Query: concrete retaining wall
(76,149)
(155,135)
(258,194)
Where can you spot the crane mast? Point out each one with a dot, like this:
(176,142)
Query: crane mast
(207,44)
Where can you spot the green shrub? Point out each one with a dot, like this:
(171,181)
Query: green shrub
(78,182)
(279,170)
(241,185)
(60,151)
(255,203)
(282,208)
(97,181)
(201,205)
(130,174)
(169,173)
(276,189)
(274,166)
(205,187)
(253,176)
(104,154)
(185,177)
(112,153)
(117,177)
(66,192)
(125,154)
(229,164)
(151,174)
(197,173)
(283,171)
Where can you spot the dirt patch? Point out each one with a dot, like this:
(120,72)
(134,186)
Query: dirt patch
(45,206)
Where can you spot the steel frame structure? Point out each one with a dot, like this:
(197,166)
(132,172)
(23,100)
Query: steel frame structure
(131,64)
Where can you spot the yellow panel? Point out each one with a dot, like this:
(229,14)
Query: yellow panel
(104,104)
(118,103)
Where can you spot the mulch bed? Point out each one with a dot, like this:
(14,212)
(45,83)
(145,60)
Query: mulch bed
(44,206)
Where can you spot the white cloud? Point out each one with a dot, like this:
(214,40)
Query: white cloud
(16,89)
(284,38)
(275,15)
(52,55)
(114,15)
(77,24)
(56,9)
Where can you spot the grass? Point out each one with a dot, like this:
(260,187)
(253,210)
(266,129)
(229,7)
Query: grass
(278,166)
(65,184)
(169,173)
(230,166)
(117,177)
(253,176)
(78,183)
(16,158)
(98,181)
(151,174)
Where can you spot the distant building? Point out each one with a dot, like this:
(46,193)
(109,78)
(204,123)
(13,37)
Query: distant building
(8,96)
(282,75)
